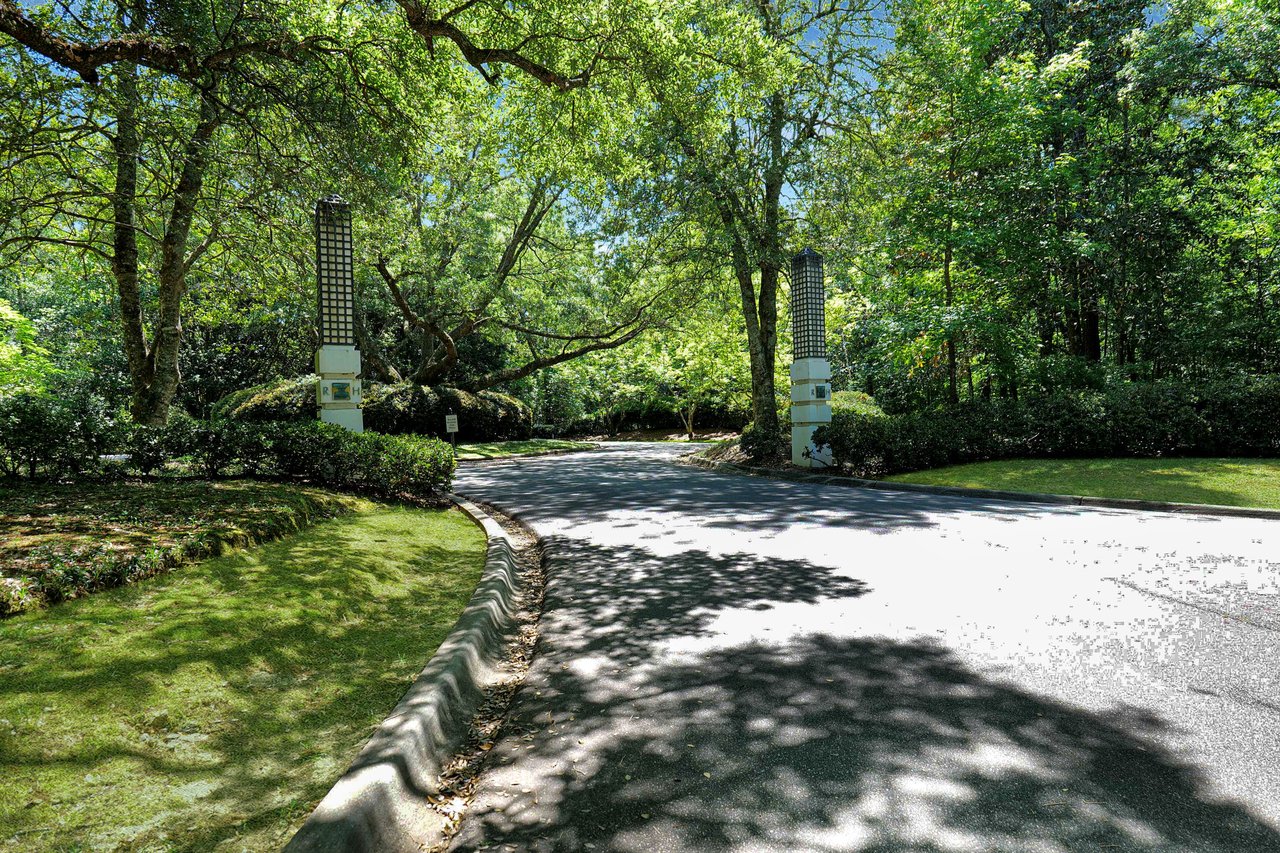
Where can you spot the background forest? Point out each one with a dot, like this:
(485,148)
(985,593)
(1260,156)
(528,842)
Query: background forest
(578,218)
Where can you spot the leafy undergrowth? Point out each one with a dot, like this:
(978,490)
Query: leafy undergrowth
(212,708)
(63,541)
(499,449)
(1226,482)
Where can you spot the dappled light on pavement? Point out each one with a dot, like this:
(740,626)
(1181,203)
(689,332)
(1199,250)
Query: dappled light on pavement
(736,664)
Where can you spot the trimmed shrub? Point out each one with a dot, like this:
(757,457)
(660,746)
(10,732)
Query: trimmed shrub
(855,401)
(385,465)
(325,454)
(1240,418)
(408,408)
(283,400)
(1228,417)
(404,408)
(401,464)
(515,419)
(52,435)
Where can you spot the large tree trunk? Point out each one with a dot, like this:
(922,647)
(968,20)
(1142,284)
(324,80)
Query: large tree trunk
(152,405)
(124,256)
(763,347)
(760,309)
(760,317)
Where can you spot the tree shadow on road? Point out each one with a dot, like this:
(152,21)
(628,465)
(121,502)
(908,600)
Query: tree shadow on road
(642,728)
(629,489)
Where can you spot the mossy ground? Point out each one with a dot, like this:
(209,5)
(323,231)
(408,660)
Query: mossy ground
(1225,482)
(212,707)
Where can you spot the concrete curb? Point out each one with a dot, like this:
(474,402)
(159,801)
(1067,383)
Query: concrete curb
(990,494)
(380,803)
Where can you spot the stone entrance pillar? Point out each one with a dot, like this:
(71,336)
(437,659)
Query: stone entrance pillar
(810,370)
(337,360)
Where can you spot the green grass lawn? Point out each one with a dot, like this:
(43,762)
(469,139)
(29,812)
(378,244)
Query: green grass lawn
(212,707)
(499,449)
(1227,482)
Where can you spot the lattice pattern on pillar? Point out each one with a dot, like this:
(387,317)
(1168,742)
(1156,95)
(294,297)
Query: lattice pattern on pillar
(808,303)
(335,288)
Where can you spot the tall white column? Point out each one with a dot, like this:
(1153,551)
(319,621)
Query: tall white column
(337,360)
(810,370)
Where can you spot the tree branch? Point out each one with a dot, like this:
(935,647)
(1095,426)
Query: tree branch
(430,29)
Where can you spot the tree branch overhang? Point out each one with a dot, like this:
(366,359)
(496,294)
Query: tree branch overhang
(184,61)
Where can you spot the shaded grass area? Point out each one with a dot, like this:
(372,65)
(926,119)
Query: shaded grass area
(60,541)
(212,708)
(499,449)
(1226,482)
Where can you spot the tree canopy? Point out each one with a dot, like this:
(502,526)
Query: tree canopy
(565,201)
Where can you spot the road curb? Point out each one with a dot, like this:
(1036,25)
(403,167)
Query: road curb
(990,494)
(381,802)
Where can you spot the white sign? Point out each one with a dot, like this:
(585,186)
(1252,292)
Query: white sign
(450,423)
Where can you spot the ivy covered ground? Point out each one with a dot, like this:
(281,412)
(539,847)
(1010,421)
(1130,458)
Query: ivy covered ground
(63,541)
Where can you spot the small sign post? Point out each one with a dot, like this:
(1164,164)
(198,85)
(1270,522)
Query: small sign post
(451,427)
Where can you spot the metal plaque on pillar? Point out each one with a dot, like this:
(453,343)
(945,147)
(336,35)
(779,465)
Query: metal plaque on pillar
(810,370)
(337,360)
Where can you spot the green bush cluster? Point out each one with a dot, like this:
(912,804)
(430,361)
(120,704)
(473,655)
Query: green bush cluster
(764,445)
(1225,417)
(282,400)
(405,408)
(324,454)
(483,416)
(52,435)
(855,401)
(64,436)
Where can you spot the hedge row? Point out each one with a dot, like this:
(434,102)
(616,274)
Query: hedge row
(43,435)
(399,409)
(1227,417)
(324,454)
(56,435)
(763,446)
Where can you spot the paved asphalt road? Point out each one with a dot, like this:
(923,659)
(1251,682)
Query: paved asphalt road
(740,664)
